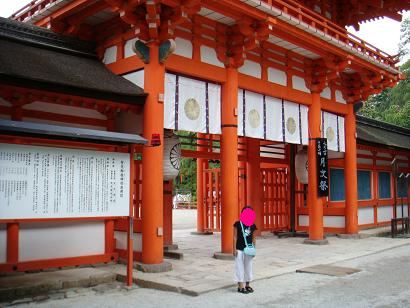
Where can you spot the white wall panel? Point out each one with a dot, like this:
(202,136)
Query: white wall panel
(298,83)
(121,240)
(208,55)
(405,210)
(250,68)
(365,215)
(303,220)
(67,110)
(136,78)
(384,213)
(326,93)
(3,243)
(339,97)
(128,51)
(334,221)
(183,48)
(61,240)
(277,76)
(110,55)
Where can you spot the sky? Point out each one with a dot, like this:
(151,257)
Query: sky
(383,34)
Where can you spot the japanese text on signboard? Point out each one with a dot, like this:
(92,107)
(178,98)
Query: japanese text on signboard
(322,167)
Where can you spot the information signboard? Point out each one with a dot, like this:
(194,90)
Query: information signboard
(49,182)
(322,167)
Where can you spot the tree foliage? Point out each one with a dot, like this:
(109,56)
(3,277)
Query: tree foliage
(393,104)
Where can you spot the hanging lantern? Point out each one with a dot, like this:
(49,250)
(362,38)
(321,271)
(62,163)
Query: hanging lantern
(172,156)
(301,166)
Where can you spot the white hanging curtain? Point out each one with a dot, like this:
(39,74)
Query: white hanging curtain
(192,105)
(270,118)
(274,129)
(251,114)
(333,127)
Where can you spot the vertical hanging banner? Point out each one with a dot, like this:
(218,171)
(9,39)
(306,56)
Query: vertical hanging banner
(322,167)
(333,131)
(192,105)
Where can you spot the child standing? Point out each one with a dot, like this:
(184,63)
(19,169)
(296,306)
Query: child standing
(243,262)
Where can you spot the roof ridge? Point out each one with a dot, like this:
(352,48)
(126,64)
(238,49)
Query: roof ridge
(20,31)
(381,124)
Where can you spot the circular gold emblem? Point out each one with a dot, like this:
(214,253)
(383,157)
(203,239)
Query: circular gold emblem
(330,134)
(291,125)
(192,109)
(254,118)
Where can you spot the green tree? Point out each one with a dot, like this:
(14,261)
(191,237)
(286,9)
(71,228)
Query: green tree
(393,104)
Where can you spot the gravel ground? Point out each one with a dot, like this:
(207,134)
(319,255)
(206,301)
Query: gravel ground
(382,282)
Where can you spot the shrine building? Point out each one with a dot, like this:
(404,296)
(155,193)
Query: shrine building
(100,99)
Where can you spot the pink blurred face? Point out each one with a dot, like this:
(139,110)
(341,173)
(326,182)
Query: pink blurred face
(248,217)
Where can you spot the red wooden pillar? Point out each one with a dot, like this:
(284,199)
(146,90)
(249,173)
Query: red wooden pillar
(13,228)
(253,182)
(351,172)
(152,157)
(167,213)
(200,204)
(229,159)
(12,243)
(315,203)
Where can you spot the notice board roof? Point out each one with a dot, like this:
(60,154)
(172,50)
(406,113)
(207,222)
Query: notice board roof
(30,129)
(37,58)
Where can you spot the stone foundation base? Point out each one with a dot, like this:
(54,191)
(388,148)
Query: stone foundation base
(352,236)
(316,242)
(224,256)
(170,247)
(202,233)
(153,268)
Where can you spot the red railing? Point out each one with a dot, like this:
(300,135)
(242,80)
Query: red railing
(31,8)
(319,22)
(290,7)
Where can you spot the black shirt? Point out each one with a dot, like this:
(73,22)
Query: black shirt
(240,242)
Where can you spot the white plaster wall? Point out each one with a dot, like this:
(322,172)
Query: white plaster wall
(110,55)
(383,163)
(303,220)
(384,213)
(5,116)
(183,48)
(335,155)
(208,55)
(251,68)
(3,243)
(128,51)
(359,151)
(121,240)
(61,240)
(364,161)
(405,210)
(277,76)
(130,123)
(334,221)
(365,215)
(298,83)
(326,93)
(67,110)
(136,78)
(339,97)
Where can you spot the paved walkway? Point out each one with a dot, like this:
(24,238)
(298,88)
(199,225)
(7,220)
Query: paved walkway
(199,273)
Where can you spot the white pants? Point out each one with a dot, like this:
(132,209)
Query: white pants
(243,267)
